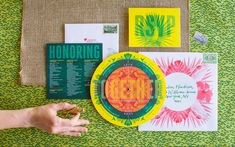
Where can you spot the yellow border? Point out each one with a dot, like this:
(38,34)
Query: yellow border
(175,38)
(118,121)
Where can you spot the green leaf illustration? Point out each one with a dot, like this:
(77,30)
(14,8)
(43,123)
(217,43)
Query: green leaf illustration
(128,122)
(154,31)
(127,56)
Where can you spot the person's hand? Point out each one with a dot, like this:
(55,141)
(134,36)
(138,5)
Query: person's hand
(45,118)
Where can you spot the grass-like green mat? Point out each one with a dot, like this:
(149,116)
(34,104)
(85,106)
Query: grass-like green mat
(215,18)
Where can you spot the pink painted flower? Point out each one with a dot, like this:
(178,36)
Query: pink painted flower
(192,116)
(167,114)
(204,92)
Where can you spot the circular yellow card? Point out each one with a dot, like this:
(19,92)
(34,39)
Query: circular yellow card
(128,89)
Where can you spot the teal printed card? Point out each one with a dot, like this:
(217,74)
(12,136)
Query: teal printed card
(69,68)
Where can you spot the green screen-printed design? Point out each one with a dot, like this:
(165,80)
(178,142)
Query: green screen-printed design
(69,68)
(112,29)
(210,58)
(154,30)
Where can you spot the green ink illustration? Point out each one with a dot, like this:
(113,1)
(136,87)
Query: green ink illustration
(110,29)
(154,30)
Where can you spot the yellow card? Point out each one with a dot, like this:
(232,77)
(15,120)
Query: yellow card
(154,27)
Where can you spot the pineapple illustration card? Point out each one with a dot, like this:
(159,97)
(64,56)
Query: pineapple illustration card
(191,85)
(154,27)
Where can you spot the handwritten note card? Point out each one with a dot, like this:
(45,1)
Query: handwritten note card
(191,103)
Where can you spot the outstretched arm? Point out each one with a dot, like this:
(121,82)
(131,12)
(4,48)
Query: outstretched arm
(45,118)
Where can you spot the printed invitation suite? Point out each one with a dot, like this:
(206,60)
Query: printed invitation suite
(154,27)
(69,68)
(192,82)
(107,34)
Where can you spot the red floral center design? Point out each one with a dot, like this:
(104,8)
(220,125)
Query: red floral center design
(128,89)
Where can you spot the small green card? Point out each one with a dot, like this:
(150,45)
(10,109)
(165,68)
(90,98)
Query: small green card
(69,68)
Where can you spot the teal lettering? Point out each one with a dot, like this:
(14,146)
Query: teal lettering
(89,52)
(58,52)
(52,51)
(96,51)
(65,51)
(72,52)
(79,52)
(84,51)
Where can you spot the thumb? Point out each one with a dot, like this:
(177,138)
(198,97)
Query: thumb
(63,105)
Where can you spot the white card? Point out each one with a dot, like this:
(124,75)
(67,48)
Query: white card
(192,82)
(107,34)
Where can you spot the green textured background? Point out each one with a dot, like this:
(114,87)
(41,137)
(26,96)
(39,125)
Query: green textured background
(215,18)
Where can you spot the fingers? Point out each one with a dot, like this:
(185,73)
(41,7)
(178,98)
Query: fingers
(68,127)
(75,121)
(73,129)
(70,133)
(81,122)
(62,106)
(76,117)
(69,122)
(78,122)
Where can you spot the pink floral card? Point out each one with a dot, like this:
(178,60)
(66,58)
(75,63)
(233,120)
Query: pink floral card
(192,82)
